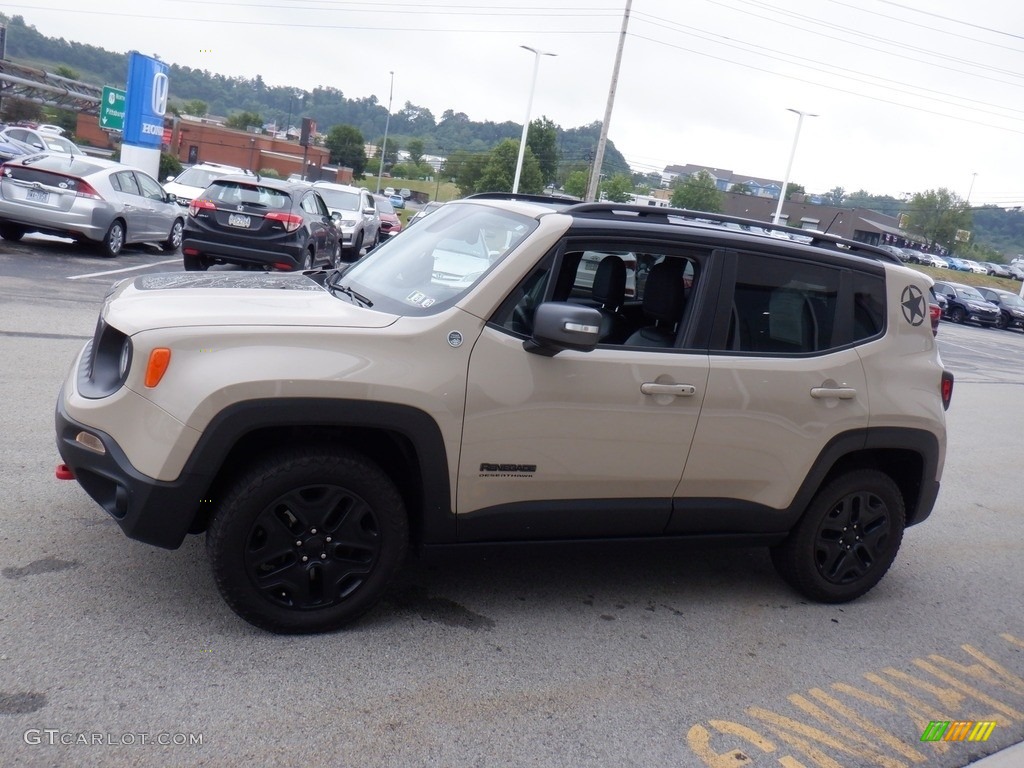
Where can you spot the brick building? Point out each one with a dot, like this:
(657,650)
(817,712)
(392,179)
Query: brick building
(196,141)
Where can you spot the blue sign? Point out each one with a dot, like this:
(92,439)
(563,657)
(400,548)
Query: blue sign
(145,101)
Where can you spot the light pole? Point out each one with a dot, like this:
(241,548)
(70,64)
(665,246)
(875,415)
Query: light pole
(974,175)
(537,53)
(387,124)
(782,195)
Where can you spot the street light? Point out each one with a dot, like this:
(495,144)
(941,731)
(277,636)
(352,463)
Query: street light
(974,175)
(387,124)
(792,154)
(537,53)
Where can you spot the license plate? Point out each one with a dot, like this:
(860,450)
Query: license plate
(237,220)
(38,196)
(590,266)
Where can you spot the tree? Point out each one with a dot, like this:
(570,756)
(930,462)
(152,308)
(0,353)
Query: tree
(347,148)
(794,189)
(464,168)
(542,140)
(576,184)
(169,165)
(499,173)
(68,72)
(242,120)
(835,196)
(195,107)
(415,150)
(937,214)
(741,189)
(617,189)
(698,193)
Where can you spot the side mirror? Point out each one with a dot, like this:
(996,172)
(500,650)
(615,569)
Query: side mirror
(559,325)
(171,197)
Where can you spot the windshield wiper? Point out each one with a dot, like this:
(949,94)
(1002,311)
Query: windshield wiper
(333,286)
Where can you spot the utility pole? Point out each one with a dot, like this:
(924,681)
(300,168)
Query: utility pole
(595,175)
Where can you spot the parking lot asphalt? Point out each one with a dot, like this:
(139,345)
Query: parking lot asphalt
(115,653)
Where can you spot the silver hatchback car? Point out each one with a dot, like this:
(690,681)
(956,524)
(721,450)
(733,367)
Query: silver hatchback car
(87,199)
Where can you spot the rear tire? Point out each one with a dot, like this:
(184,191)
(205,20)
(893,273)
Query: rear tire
(113,241)
(195,263)
(12,232)
(307,540)
(173,241)
(846,540)
(308,260)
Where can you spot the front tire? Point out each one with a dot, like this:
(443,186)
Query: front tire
(308,540)
(957,315)
(336,255)
(847,539)
(113,241)
(1003,323)
(357,248)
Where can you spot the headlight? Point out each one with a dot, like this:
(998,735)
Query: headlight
(125,361)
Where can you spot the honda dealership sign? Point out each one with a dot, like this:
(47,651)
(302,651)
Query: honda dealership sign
(145,101)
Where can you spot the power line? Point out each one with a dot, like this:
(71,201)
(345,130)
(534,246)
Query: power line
(957,21)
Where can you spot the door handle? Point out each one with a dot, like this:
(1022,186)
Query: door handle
(838,393)
(676,390)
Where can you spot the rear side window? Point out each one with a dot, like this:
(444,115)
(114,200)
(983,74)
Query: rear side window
(782,306)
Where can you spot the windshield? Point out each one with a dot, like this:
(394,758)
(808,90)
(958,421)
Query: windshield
(435,263)
(339,199)
(1011,299)
(969,293)
(199,177)
(59,144)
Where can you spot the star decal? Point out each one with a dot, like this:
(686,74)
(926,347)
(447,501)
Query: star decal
(913,305)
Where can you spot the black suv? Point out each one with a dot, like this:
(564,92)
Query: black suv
(1011,307)
(964,303)
(259,223)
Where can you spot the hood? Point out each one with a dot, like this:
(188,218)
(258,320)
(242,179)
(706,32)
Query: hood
(178,300)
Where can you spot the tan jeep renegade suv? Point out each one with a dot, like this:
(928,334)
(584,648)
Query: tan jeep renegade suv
(509,370)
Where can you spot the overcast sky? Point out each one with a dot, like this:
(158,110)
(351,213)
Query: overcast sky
(910,95)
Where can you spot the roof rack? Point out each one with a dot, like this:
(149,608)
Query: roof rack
(530,198)
(673,215)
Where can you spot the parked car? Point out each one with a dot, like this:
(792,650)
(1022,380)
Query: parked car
(996,270)
(958,265)
(87,199)
(50,128)
(896,251)
(791,398)
(931,260)
(44,141)
(390,222)
(265,223)
(1016,272)
(397,201)
(1011,307)
(426,210)
(964,303)
(936,306)
(405,193)
(11,149)
(190,183)
(355,214)
(975,267)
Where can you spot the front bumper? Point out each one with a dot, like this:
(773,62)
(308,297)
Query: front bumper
(152,511)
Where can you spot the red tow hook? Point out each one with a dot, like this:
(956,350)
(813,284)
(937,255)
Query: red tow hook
(64,472)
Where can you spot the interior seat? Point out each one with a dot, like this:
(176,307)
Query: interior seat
(663,303)
(610,290)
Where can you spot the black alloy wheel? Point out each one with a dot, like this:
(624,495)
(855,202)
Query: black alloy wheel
(847,539)
(957,315)
(307,541)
